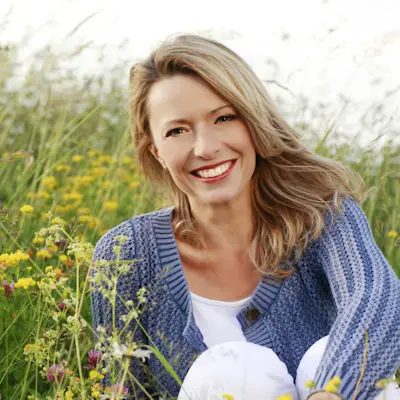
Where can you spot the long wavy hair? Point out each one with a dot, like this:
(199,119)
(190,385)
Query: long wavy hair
(291,189)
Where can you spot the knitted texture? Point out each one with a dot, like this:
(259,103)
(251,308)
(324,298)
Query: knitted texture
(342,286)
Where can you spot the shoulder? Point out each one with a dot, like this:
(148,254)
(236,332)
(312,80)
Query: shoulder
(350,217)
(129,233)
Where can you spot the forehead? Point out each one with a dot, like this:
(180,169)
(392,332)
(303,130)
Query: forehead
(181,94)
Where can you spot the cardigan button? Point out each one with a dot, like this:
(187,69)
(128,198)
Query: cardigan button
(252,314)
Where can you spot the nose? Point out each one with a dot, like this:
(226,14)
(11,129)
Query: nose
(206,143)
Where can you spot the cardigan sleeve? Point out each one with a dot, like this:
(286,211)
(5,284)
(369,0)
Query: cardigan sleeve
(366,291)
(125,300)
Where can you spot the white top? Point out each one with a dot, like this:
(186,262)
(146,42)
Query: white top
(217,319)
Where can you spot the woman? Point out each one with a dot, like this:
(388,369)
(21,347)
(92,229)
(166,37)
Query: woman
(266,258)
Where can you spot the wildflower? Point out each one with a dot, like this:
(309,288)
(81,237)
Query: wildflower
(58,272)
(73,196)
(95,375)
(63,167)
(58,221)
(310,384)
(110,205)
(50,182)
(8,288)
(94,357)
(392,234)
(105,159)
(61,306)
(99,171)
(82,180)
(76,158)
(114,390)
(227,396)
(25,283)
(134,185)
(26,209)
(43,254)
(83,210)
(61,244)
(69,395)
(381,384)
(63,258)
(333,385)
(54,373)
(48,269)
(38,240)
(286,396)
(10,259)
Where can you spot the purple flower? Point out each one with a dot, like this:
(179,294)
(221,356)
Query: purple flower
(54,373)
(94,357)
(8,288)
(61,306)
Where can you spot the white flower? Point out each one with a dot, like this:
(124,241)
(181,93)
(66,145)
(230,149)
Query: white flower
(141,353)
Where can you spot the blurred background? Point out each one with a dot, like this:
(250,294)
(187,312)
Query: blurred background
(325,62)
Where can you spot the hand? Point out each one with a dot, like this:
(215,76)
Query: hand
(324,396)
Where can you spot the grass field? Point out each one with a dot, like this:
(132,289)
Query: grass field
(68,174)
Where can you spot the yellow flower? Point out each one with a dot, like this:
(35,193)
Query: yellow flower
(27,347)
(69,395)
(58,221)
(333,385)
(9,260)
(99,171)
(226,396)
(93,153)
(310,384)
(134,185)
(95,375)
(82,180)
(110,205)
(48,269)
(95,393)
(74,196)
(105,159)
(50,182)
(25,283)
(44,254)
(107,184)
(393,234)
(26,209)
(63,167)
(77,158)
(63,258)
(286,396)
(38,240)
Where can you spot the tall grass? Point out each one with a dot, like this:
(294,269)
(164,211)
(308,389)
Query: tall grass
(65,150)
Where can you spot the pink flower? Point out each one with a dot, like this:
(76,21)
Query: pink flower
(117,388)
(61,306)
(54,373)
(94,357)
(8,288)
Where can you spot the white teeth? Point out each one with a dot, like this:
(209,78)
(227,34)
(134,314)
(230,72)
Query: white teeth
(211,173)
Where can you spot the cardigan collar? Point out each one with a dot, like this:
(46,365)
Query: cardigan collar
(261,299)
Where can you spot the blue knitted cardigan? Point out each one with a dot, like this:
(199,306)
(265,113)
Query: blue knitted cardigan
(342,286)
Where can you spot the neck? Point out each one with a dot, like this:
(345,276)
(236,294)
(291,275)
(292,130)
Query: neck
(225,227)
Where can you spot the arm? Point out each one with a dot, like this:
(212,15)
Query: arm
(367,296)
(103,300)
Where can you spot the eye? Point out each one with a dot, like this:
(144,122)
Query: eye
(172,131)
(229,116)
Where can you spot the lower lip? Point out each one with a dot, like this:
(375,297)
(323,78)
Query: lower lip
(216,178)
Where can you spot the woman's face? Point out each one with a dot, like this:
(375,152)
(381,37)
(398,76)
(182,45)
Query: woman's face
(208,132)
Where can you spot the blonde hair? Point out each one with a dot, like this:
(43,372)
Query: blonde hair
(292,188)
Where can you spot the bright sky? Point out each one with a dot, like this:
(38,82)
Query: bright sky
(334,48)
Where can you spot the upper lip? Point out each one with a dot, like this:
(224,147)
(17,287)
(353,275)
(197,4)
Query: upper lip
(212,165)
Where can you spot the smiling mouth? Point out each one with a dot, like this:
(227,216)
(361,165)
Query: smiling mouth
(213,172)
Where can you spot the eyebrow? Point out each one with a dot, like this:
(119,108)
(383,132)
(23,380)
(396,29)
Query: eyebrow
(183,120)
